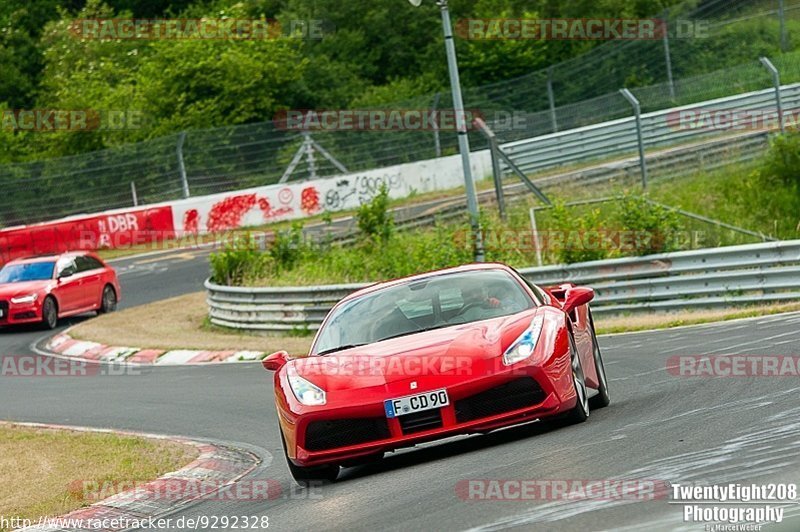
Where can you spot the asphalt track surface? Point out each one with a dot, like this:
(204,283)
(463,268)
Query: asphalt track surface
(659,427)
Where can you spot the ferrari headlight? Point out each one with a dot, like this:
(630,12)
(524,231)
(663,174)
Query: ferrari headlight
(306,392)
(25,300)
(523,346)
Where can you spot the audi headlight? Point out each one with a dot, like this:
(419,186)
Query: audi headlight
(306,392)
(523,346)
(25,300)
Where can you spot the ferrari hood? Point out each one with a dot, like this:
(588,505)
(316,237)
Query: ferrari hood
(456,351)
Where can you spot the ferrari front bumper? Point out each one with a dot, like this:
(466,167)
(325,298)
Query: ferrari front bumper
(491,402)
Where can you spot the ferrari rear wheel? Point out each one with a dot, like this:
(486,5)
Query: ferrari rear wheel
(602,399)
(580,412)
(49,313)
(306,476)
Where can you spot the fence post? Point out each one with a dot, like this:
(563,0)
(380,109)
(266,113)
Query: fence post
(497,172)
(776,80)
(667,58)
(782,21)
(552,99)
(181,166)
(498,176)
(535,233)
(638,113)
(436,140)
(312,166)
(133,194)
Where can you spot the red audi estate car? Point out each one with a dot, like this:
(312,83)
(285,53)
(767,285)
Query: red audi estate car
(44,289)
(461,350)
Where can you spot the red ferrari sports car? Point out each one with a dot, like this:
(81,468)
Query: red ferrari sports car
(44,289)
(455,351)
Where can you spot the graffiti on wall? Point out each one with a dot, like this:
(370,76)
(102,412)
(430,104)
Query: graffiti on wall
(221,212)
(358,190)
(239,210)
(225,212)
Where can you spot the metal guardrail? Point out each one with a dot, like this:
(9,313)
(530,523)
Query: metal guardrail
(618,137)
(279,309)
(728,276)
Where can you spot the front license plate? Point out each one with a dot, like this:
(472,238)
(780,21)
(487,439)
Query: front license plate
(416,403)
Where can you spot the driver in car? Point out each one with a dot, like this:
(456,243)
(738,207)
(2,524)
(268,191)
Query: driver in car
(476,297)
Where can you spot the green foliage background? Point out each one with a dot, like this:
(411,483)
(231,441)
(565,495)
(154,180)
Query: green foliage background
(372,53)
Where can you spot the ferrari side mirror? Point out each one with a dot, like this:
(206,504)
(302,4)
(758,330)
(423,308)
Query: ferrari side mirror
(575,297)
(275,361)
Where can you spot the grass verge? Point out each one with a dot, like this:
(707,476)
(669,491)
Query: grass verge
(695,317)
(145,326)
(41,467)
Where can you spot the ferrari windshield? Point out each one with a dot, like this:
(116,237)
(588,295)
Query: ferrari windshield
(421,305)
(32,271)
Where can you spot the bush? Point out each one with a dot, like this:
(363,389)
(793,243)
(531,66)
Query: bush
(783,158)
(374,219)
(240,259)
(288,247)
(654,227)
(574,228)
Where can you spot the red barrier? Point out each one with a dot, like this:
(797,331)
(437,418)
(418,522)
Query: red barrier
(92,232)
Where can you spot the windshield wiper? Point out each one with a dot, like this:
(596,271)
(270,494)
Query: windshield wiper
(339,348)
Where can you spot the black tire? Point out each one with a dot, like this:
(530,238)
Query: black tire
(580,412)
(308,476)
(49,313)
(602,399)
(108,301)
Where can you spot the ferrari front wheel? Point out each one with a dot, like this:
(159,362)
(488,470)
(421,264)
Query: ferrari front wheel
(307,476)
(580,412)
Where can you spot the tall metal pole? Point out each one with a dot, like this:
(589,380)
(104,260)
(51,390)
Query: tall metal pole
(461,126)
(637,110)
(437,144)
(535,233)
(497,172)
(551,99)
(312,165)
(181,166)
(782,20)
(667,56)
